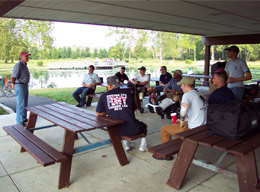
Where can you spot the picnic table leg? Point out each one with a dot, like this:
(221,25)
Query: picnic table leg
(136,97)
(116,141)
(247,172)
(30,124)
(89,100)
(182,164)
(65,166)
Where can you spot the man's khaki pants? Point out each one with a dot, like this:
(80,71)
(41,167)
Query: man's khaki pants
(169,130)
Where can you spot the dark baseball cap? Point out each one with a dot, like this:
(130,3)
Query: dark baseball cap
(233,48)
(114,81)
(142,68)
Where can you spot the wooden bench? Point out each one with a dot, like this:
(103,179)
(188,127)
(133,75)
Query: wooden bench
(90,98)
(95,95)
(167,149)
(41,151)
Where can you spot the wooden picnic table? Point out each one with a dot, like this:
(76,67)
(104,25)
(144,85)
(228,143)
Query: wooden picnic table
(76,120)
(243,151)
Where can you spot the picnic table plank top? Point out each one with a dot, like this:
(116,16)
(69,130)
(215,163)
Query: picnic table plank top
(249,144)
(211,140)
(55,120)
(198,137)
(191,132)
(94,117)
(73,118)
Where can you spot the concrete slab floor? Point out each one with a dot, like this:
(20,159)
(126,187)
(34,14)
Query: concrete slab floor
(99,170)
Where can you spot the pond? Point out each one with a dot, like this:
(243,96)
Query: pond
(73,78)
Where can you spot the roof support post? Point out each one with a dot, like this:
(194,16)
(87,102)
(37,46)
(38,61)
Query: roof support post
(207,59)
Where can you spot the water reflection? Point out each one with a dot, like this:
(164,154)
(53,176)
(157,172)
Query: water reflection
(73,78)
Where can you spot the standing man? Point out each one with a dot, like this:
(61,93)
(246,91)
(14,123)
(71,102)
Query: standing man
(119,103)
(237,72)
(193,108)
(20,78)
(122,76)
(89,83)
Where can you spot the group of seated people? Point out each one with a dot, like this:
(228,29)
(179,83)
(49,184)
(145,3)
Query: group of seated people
(121,104)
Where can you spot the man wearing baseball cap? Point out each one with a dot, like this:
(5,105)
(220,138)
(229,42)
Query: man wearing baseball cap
(237,72)
(119,103)
(142,82)
(20,78)
(193,106)
(173,89)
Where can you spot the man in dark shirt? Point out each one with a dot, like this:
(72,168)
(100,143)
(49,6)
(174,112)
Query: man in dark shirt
(120,104)
(222,94)
(163,84)
(122,76)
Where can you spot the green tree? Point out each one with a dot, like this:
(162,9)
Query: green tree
(38,33)
(11,39)
(116,52)
(140,50)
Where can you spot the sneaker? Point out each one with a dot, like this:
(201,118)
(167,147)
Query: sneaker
(159,110)
(78,105)
(128,145)
(131,144)
(24,124)
(143,147)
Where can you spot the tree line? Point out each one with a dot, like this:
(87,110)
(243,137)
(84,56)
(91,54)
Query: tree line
(18,35)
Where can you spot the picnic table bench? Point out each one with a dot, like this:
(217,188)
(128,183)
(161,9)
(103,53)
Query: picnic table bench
(74,120)
(186,145)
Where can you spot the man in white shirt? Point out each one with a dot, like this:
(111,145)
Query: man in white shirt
(193,107)
(237,72)
(142,82)
(89,83)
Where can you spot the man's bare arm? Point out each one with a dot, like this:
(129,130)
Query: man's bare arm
(248,76)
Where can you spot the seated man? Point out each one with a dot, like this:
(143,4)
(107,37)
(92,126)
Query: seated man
(171,98)
(122,76)
(119,103)
(89,83)
(222,94)
(141,81)
(165,77)
(193,106)
(173,89)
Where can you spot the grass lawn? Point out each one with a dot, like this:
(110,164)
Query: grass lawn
(60,94)
(2,111)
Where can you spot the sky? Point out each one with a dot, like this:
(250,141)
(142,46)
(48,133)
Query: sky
(92,36)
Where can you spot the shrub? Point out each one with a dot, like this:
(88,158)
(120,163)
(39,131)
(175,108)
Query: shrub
(188,61)
(39,63)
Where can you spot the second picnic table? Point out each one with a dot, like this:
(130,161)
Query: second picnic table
(76,120)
